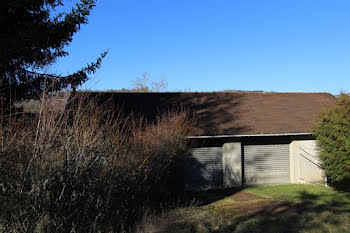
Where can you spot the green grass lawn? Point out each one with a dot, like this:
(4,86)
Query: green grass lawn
(281,208)
(302,193)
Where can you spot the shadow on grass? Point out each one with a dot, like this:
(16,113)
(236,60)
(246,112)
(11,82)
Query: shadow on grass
(287,217)
(314,213)
(333,215)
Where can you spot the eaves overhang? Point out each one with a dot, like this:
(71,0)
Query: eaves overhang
(250,135)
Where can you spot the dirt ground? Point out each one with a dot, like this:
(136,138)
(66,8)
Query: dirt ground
(245,196)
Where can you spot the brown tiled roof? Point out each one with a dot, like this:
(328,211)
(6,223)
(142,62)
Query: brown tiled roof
(231,113)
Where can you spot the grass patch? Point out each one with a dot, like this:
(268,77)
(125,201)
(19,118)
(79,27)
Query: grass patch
(303,193)
(281,208)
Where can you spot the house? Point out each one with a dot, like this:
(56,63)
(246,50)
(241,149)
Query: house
(241,138)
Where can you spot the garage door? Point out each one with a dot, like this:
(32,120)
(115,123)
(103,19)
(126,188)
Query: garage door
(203,169)
(266,164)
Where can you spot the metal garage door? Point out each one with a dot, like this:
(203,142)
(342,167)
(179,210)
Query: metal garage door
(266,164)
(203,169)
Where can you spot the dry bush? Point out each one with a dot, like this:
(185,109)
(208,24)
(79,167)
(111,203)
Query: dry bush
(177,220)
(87,169)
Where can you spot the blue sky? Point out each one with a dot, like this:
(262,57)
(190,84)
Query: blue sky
(202,45)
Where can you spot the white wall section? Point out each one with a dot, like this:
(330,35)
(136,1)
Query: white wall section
(305,162)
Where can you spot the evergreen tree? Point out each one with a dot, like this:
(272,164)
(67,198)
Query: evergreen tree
(32,37)
(332,131)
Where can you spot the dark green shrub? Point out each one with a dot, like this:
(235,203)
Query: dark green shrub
(332,131)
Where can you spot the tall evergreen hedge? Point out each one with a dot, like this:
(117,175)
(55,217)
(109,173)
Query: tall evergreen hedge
(332,131)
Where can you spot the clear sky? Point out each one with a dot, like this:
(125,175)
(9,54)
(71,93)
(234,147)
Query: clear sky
(211,45)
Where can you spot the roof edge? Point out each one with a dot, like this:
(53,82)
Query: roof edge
(200,92)
(250,135)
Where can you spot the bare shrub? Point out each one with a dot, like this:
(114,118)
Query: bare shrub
(87,169)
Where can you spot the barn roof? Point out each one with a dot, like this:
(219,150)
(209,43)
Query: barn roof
(231,113)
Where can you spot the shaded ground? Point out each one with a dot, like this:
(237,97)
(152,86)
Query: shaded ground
(286,208)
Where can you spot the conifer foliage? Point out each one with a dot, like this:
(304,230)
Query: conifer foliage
(332,131)
(33,34)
